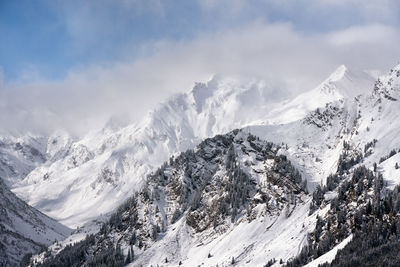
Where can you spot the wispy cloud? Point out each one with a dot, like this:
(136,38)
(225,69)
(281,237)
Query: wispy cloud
(277,50)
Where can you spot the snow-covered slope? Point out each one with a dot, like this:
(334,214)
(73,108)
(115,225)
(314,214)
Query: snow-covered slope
(234,196)
(344,123)
(368,123)
(376,127)
(329,256)
(109,164)
(315,142)
(24,229)
(19,156)
(341,84)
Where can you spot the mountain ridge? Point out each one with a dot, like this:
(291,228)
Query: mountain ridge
(337,130)
(117,159)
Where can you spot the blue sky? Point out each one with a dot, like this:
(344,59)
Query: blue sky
(52,37)
(55,36)
(73,64)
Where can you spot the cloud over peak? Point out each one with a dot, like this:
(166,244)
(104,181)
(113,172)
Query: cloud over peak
(118,74)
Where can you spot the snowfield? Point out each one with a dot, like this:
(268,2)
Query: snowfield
(81,176)
(329,256)
(350,115)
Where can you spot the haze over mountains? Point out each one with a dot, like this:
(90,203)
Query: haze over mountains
(183,208)
(81,175)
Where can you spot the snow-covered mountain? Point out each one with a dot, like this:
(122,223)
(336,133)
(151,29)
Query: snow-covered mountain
(77,184)
(19,156)
(24,229)
(327,134)
(219,202)
(176,218)
(341,84)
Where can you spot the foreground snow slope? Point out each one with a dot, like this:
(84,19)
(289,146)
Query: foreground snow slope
(83,176)
(249,243)
(329,256)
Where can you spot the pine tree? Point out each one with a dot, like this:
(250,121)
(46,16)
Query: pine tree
(128,258)
(132,254)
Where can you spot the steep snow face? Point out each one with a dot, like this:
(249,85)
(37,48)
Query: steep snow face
(379,120)
(81,178)
(326,127)
(315,143)
(249,243)
(24,229)
(341,84)
(234,195)
(19,156)
(329,256)
(371,130)
(58,145)
(346,83)
(368,123)
(388,86)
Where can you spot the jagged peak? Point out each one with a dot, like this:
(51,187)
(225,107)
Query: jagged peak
(338,74)
(346,83)
(328,85)
(388,85)
(58,141)
(222,87)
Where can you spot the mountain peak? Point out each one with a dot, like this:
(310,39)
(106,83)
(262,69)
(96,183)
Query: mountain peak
(338,74)
(346,83)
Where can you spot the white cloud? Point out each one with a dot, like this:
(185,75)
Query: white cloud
(273,52)
(365,35)
(337,12)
